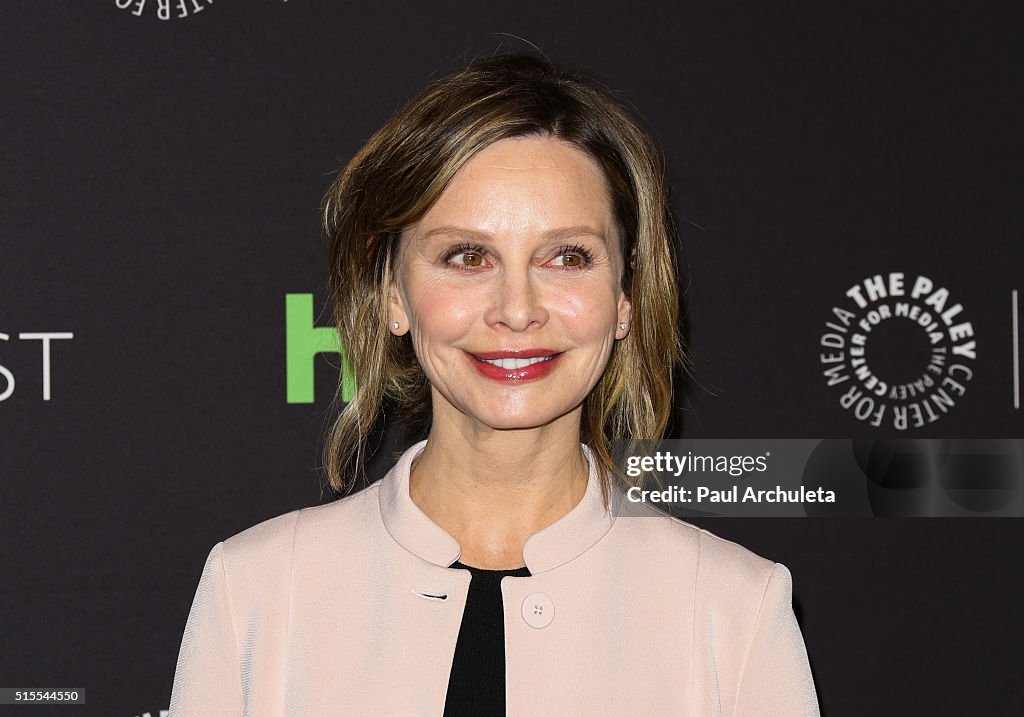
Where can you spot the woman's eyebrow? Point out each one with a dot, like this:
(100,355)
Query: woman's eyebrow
(561,233)
(453,231)
(577,231)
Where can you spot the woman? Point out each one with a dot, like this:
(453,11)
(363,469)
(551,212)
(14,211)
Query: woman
(502,274)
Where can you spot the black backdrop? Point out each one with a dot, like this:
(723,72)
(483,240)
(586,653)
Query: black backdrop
(161,182)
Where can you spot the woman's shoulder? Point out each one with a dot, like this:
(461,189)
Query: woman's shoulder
(276,537)
(729,587)
(713,561)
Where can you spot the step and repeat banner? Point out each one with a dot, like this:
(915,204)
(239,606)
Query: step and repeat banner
(846,180)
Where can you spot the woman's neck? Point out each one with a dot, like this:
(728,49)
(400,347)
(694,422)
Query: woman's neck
(492,489)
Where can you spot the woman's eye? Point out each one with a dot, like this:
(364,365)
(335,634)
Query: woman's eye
(569,260)
(465,255)
(468,258)
(573,257)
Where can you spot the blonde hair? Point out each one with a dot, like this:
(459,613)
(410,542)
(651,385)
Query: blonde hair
(402,170)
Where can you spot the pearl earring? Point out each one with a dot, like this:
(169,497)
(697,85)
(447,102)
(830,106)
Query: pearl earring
(623,326)
(394,325)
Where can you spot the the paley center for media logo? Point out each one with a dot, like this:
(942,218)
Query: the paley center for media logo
(899,351)
(166,9)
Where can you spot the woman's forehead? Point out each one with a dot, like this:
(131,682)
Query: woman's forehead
(539,184)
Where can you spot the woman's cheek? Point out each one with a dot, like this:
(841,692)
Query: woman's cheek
(441,312)
(590,308)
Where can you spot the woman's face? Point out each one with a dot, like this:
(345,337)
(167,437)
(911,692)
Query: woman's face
(511,285)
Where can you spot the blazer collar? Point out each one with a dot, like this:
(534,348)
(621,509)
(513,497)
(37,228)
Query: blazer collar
(566,539)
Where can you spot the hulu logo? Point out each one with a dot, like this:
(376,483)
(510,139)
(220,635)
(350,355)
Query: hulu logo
(303,341)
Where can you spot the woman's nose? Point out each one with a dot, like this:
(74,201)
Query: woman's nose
(516,301)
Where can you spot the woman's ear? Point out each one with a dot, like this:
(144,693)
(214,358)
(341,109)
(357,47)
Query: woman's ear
(398,317)
(625,315)
(625,307)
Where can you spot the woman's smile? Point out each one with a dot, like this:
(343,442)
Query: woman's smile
(510,366)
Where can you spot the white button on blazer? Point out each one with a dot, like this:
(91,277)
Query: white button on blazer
(349,608)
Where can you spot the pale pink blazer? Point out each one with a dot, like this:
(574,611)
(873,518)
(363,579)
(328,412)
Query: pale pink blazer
(349,608)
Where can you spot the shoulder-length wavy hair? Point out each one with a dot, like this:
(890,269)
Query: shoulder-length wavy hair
(402,170)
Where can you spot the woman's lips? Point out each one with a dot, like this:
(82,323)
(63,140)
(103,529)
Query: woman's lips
(515,366)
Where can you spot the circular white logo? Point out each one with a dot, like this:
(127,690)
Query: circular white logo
(899,352)
(165,9)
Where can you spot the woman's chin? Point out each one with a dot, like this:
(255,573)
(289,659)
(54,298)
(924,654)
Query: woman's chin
(518,420)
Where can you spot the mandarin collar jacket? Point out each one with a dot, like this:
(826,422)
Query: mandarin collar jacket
(350,608)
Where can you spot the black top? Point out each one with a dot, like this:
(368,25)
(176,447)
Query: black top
(477,683)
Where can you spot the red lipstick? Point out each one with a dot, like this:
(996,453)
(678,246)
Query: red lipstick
(514,366)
